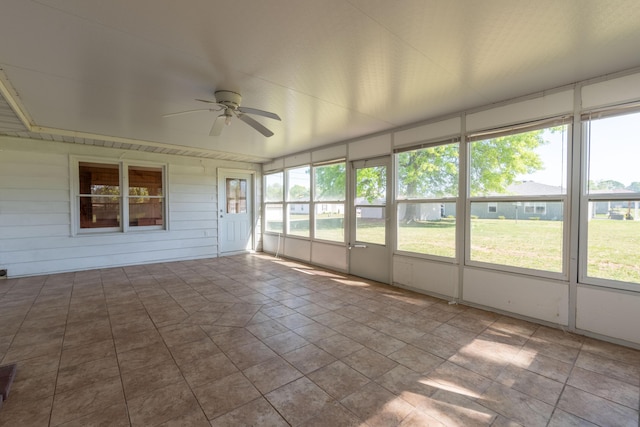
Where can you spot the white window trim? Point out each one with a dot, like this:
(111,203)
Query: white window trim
(123,168)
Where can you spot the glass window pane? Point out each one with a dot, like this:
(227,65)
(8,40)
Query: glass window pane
(145,181)
(298,219)
(515,238)
(99,211)
(330,182)
(273,218)
(329,221)
(371,186)
(428,172)
(371,224)
(528,163)
(299,184)
(613,240)
(613,155)
(145,211)
(236,193)
(273,184)
(99,179)
(432,233)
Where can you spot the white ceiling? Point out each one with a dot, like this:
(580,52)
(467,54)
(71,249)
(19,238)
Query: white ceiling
(332,69)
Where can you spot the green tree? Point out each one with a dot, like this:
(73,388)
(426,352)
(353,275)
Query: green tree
(497,162)
(330,182)
(299,192)
(605,184)
(634,186)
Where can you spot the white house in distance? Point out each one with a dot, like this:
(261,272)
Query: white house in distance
(115,149)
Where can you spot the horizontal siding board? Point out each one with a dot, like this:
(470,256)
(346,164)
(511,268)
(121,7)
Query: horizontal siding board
(17,169)
(116,260)
(33,219)
(191,188)
(191,225)
(33,231)
(25,207)
(209,215)
(192,197)
(40,182)
(205,206)
(34,194)
(132,249)
(106,239)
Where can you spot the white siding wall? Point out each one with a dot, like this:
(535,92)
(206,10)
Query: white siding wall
(35,211)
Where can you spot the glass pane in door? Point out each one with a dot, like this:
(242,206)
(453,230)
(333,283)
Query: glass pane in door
(370,204)
(236,191)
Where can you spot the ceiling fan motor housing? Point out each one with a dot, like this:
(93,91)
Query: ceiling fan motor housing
(228,98)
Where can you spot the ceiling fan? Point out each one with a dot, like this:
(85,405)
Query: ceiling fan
(228,102)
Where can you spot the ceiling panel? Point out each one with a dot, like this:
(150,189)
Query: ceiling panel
(333,70)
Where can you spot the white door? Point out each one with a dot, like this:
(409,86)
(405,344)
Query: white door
(235,212)
(369,249)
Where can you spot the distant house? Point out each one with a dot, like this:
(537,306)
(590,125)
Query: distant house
(614,209)
(551,211)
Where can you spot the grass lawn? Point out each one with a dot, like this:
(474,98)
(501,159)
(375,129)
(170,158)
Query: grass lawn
(613,252)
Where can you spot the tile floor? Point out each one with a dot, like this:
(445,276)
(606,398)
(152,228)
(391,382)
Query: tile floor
(251,340)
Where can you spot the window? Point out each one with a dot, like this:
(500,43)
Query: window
(612,199)
(298,201)
(329,194)
(103,206)
(427,190)
(274,202)
(145,196)
(534,208)
(518,198)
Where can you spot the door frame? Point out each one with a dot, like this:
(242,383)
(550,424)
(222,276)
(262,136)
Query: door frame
(385,160)
(221,175)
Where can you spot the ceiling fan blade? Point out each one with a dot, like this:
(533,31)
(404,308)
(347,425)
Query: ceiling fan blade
(259,112)
(186,112)
(218,125)
(254,124)
(206,100)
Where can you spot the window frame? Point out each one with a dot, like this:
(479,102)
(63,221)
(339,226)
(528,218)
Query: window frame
(123,176)
(266,203)
(565,198)
(586,117)
(406,200)
(315,202)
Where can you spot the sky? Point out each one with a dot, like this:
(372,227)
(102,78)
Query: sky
(614,152)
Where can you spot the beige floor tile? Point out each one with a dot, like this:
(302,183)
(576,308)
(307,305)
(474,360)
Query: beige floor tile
(377,406)
(516,406)
(250,354)
(207,369)
(369,363)
(596,409)
(19,412)
(226,394)
(141,357)
(164,404)
(146,380)
(81,375)
(83,401)
(275,372)
(308,358)
(416,359)
(111,416)
(298,401)
(338,379)
(255,413)
(285,342)
(339,345)
(140,343)
(609,388)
